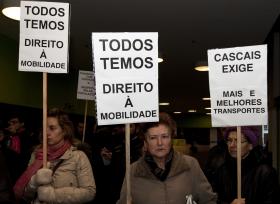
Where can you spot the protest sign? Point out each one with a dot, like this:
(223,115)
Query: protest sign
(44,35)
(126,74)
(238,86)
(86,85)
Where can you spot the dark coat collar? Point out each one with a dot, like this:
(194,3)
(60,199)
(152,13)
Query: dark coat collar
(178,165)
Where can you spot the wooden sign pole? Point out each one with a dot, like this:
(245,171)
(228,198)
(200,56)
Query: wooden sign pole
(45,107)
(85,122)
(238,162)
(127,163)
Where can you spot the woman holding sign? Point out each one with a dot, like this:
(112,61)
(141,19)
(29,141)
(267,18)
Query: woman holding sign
(259,182)
(69,178)
(163,175)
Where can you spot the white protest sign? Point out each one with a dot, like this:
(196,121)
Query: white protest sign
(43,45)
(126,74)
(86,85)
(238,86)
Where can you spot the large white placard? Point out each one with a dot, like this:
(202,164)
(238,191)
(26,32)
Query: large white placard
(44,33)
(238,86)
(126,74)
(86,90)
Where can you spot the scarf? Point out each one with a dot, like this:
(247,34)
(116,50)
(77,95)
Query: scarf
(15,144)
(54,152)
(15,141)
(160,173)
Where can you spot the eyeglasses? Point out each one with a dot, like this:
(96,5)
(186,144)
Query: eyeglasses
(230,140)
(13,121)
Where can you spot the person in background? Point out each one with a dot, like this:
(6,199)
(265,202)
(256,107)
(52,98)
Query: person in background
(69,178)
(12,159)
(79,129)
(20,140)
(259,183)
(6,191)
(110,168)
(162,175)
(87,141)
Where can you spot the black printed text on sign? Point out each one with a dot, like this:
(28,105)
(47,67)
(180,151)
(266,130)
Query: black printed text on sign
(86,89)
(44,37)
(126,74)
(238,86)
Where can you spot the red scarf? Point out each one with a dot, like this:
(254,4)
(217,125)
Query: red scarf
(54,152)
(15,144)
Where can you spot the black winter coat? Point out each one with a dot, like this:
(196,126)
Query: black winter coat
(259,181)
(6,192)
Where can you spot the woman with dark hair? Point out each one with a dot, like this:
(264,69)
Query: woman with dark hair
(259,182)
(69,178)
(163,175)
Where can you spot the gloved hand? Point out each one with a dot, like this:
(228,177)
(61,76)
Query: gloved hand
(42,177)
(46,194)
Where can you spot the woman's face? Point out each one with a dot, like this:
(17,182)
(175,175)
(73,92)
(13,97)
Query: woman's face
(55,133)
(158,141)
(246,147)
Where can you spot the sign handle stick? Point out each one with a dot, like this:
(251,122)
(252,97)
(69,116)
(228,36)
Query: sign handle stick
(238,162)
(85,121)
(45,90)
(127,162)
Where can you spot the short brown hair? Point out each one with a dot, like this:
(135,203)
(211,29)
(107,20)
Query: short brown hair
(164,119)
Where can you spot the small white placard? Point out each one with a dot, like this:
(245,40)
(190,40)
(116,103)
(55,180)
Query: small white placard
(238,86)
(43,45)
(126,74)
(86,90)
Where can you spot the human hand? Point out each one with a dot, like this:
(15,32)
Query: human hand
(46,194)
(238,201)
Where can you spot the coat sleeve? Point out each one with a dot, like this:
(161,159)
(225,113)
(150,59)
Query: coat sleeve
(86,190)
(122,199)
(123,192)
(204,193)
(29,192)
(267,184)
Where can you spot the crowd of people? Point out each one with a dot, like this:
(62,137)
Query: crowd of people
(89,167)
